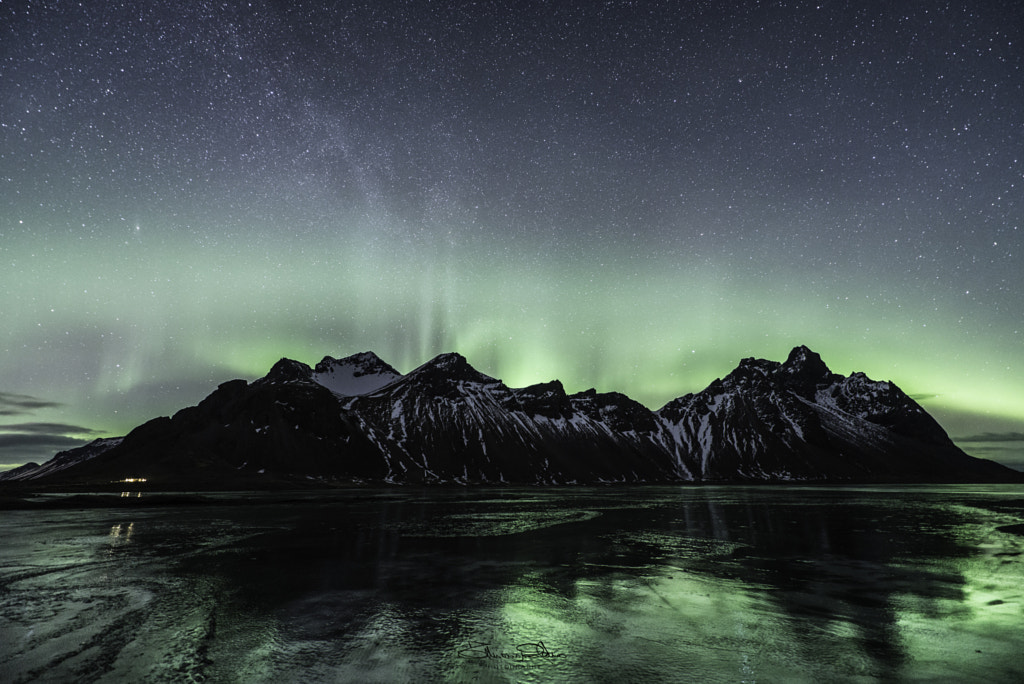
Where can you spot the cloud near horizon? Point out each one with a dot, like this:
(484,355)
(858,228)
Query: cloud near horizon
(19,448)
(35,440)
(994,437)
(12,404)
(42,428)
(20,440)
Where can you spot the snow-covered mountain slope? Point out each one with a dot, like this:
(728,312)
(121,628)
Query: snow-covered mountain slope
(798,420)
(354,375)
(62,461)
(359,419)
(445,421)
(351,376)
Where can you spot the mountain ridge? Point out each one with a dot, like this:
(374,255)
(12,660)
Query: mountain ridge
(357,419)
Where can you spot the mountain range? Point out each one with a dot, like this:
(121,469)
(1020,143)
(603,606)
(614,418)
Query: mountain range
(357,419)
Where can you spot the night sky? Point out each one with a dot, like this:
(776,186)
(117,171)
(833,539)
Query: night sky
(631,196)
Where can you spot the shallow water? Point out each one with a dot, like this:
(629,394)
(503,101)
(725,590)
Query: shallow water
(527,585)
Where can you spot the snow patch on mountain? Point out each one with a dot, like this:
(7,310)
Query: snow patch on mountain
(354,375)
(63,460)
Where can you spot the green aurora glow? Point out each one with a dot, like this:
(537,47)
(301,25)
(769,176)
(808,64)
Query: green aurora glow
(152,246)
(119,338)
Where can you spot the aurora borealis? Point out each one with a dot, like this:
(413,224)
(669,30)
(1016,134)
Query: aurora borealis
(626,195)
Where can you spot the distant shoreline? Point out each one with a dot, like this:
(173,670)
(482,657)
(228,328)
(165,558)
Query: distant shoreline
(61,498)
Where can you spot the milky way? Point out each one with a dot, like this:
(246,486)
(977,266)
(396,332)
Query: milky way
(626,195)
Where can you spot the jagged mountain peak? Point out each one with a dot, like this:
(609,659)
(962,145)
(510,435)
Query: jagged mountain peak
(804,362)
(614,409)
(354,375)
(363,363)
(553,388)
(448,359)
(752,368)
(545,399)
(451,366)
(804,372)
(447,375)
(288,370)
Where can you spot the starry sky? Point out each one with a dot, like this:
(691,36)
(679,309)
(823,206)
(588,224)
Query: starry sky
(631,196)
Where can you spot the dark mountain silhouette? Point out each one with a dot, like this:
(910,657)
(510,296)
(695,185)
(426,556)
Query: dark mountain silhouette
(358,419)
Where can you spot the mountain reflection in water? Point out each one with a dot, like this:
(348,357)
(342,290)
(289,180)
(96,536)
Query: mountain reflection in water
(560,584)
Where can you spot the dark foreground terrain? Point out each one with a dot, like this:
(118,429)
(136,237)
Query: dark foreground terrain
(552,584)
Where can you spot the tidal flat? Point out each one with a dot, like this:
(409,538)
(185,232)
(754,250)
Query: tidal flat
(566,584)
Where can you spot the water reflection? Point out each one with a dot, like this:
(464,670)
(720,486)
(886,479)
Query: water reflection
(749,585)
(719,584)
(121,534)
